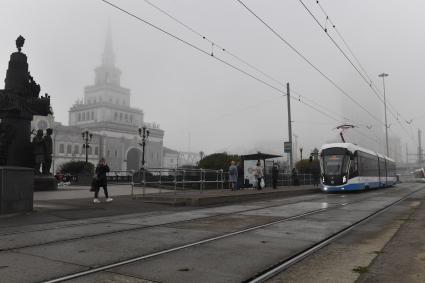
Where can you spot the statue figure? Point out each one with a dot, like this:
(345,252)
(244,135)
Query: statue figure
(6,136)
(39,150)
(48,146)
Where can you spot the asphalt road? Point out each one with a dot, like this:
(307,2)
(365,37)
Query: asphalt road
(34,252)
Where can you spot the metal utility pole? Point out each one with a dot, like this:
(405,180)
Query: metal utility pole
(87,137)
(383,75)
(291,157)
(144,134)
(420,158)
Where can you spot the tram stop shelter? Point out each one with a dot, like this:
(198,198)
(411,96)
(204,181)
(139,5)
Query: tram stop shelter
(259,156)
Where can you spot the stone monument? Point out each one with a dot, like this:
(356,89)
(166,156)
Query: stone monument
(19,101)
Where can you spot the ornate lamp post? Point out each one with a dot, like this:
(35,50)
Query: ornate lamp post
(87,137)
(144,134)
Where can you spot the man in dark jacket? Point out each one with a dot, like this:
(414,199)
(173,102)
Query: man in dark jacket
(101,169)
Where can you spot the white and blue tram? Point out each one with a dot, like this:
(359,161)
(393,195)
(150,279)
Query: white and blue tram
(348,167)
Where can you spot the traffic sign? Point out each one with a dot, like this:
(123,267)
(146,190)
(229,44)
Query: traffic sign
(287,147)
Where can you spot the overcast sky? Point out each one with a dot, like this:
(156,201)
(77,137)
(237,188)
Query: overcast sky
(203,104)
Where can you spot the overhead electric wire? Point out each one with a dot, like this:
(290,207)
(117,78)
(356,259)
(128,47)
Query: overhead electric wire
(211,55)
(194,46)
(309,62)
(365,76)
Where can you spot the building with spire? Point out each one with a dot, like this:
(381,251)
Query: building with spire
(106,112)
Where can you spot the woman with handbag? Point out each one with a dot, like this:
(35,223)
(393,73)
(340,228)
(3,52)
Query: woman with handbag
(101,181)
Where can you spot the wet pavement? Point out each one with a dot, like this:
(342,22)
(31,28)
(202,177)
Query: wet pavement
(79,244)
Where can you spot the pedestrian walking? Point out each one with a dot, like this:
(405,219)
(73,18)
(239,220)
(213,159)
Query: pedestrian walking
(258,172)
(233,175)
(275,175)
(101,181)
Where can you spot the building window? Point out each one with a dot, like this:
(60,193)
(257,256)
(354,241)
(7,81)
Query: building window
(131,118)
(83,150)
(92,115)
(68,149)
(61,148)
(96,150)
(171,160)
(126,117)
(79,117)
(120,116)
(83,116)
(76,149)
(115,116)
(89,151)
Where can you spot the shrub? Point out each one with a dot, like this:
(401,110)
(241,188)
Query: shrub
(76,168)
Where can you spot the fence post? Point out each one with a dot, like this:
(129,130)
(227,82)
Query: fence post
(222,179)
(160,180)
(201,182)
(175,180)
(183,179)
(144,182)
(132,184)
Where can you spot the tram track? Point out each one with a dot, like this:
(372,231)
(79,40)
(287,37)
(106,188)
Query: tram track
(260,277)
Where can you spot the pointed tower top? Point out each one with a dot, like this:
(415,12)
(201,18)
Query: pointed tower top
(108,56)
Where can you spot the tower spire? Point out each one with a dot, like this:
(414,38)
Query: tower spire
(108,56)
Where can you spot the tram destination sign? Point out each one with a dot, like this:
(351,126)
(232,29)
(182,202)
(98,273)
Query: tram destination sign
(287,147)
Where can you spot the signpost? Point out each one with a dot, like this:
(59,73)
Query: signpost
(287,147)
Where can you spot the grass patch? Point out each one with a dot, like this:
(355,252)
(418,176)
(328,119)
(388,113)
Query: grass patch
(360,269)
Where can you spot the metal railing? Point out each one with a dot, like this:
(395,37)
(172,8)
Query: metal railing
(181,179)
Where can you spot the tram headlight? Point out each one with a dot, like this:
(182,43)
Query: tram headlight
(344,179)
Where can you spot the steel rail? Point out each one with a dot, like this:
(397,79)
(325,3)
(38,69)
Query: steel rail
(197,243)
(266,275)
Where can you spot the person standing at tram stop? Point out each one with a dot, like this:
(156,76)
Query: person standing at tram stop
(240,183)
(275,175)
(233,175)
(294,175)
(258,172)
(101,169)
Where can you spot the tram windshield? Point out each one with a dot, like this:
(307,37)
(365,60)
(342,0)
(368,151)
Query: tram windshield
(334,161)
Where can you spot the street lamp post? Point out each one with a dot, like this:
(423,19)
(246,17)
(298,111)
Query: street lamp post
(87,137)
(144,134)
(383,75)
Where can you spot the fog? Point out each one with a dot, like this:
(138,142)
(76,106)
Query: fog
(203,104)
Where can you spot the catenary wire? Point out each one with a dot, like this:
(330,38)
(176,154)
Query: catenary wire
(195,47)
(365,76)
(204,52)
(310,63)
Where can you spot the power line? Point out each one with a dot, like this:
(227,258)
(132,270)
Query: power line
(309,62)
(194,47)
(211,55)
(365,76)
(214,43)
